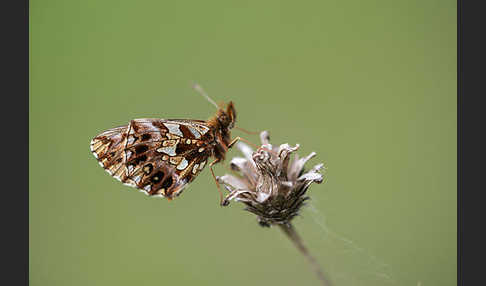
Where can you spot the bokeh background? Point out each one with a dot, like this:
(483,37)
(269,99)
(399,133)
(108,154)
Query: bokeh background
(369,85)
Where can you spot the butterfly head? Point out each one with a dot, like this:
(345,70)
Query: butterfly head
(222,123)
(227,118)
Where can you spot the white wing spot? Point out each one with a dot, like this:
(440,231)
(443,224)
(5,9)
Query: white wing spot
(171,150)
(195,168)
(203,130)
(174,129)
(194,132)
(137,179)
(129,169)
(182,165)
(131,139)
(202,165)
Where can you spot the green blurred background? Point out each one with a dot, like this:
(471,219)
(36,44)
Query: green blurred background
(369,85)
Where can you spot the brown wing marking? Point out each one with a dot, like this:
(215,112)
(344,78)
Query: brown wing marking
(108,149)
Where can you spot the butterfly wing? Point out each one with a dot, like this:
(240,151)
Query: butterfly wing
(157,156)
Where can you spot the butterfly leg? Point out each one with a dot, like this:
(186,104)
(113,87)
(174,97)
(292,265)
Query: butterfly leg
(222,202)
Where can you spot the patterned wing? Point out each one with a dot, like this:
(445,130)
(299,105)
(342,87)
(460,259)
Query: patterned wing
(157,156)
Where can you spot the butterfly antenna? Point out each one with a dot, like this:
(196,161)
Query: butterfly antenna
(201,91)
(246,131)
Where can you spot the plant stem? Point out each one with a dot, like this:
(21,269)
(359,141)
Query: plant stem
(292,234)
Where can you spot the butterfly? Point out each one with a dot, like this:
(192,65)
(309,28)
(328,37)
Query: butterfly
(162,156)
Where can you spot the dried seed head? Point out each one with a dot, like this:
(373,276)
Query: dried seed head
(269,182)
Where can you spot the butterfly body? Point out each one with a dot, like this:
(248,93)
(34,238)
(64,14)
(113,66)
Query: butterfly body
(161,156)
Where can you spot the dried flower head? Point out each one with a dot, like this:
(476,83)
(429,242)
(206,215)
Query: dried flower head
(269,182)
(273,186)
